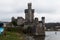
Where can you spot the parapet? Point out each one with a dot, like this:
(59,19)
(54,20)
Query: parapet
(43,17)
(29,4)
(36,19)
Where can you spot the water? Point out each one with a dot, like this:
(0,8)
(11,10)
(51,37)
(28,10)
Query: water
(49,35)
(52,35)
(1,30)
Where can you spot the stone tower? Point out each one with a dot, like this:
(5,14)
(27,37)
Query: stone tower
(43,23)
(13,19)
(29,13)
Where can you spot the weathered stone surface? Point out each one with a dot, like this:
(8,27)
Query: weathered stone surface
(34,26)
(29,13)
(20,21)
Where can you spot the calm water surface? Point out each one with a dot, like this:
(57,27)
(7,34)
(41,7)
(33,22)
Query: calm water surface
(52,35)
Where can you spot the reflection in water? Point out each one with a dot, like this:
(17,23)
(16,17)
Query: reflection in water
(49,35)
(55,32)
(39,37)
(27,37)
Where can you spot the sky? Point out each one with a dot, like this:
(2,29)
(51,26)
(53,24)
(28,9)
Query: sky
(50,9)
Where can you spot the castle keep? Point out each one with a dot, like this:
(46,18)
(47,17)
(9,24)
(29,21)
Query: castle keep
(33,25)
(29,13)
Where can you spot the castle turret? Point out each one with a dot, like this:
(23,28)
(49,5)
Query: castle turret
(29,13)
(43,22)
(13,19)
(36,20)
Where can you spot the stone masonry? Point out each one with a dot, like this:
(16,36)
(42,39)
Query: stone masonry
(34,26)
(29,13)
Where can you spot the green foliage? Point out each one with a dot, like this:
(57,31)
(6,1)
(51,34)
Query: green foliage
(16,29)
(12,36)
(14,23)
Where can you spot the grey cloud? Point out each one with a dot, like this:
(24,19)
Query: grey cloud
(14,11)
(45,11)
(9,8)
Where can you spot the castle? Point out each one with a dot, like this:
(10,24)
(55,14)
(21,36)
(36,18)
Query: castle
(34,26)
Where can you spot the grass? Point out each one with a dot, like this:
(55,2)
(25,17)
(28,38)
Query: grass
(12,36)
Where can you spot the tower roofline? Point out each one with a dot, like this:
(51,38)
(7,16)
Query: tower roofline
(29,5)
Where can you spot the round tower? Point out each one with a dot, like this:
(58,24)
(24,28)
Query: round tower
(43,22)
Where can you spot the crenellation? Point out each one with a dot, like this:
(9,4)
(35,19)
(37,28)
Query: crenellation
(43,23)
(29,13)
(43,20)
(20,21)
(29,6)
(13,19)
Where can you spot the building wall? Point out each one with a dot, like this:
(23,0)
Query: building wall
(20,21)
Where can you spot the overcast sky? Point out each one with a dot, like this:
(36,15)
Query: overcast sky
(50,9)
